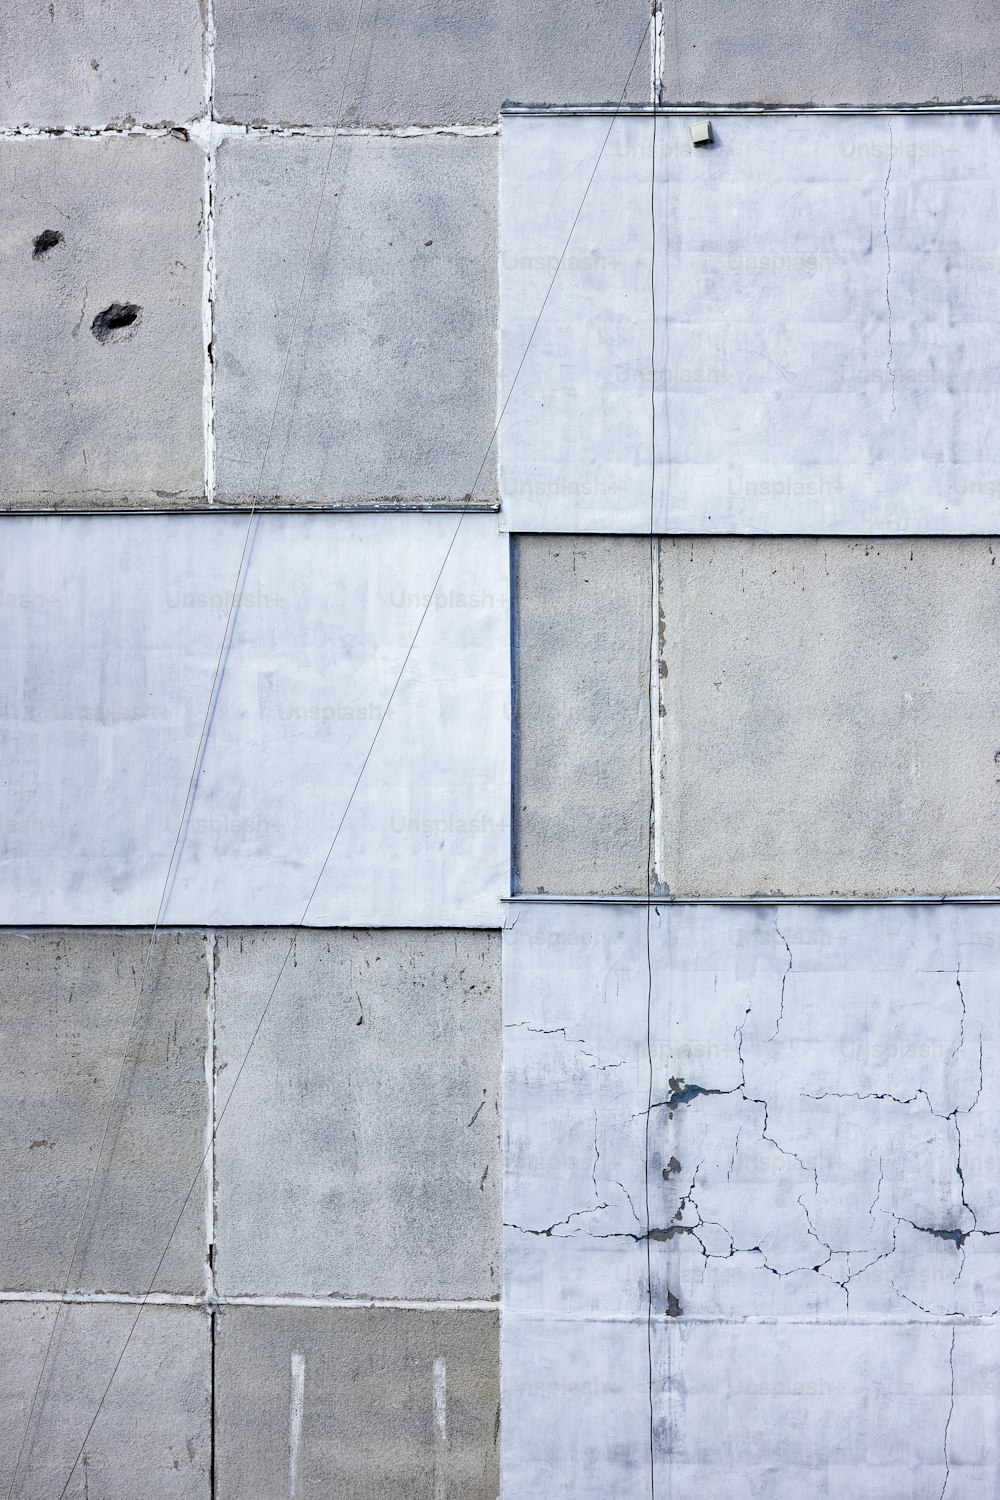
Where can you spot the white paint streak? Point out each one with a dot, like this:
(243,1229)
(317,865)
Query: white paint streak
(295,1407)
(441,1398)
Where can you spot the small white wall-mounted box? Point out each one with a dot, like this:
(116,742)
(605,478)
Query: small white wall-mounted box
(701,133)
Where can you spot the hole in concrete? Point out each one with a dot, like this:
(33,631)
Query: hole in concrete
(44,242)
(116,323)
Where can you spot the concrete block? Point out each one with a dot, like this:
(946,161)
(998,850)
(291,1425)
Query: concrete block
(316,764)
(830,716)
(101,330)
(153,1435)
(390,387)
(848,52)
(718,1116)
(121,64)
(67,1003)
(360,1154)
(362,1403)
(811,349)
(432,64)
(582,789)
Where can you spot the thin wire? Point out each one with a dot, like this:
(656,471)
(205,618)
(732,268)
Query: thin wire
(368,755)
(199,756)
(650,845)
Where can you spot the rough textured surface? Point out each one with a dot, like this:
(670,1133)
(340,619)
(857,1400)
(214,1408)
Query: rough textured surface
(782,1114)
(112,631)
(362,1403)
(132,61)
(66,1003)
(847,52)
(825,295)
(431,63)
(362,1157)
(830,717)
(153,1437)
(390,389)
(85,422)
(582,733)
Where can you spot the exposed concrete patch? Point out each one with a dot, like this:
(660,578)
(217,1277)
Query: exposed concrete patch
(360,1155)
(392,1403)
(153,1436)
(67,1003)
(389,391)
(581,793)
(113,420)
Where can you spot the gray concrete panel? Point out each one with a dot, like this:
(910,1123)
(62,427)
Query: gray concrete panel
(390,388)
(432,63)
(153,1435)
(831,716)
(360,1153)
(120,63)
(101,329)
(361,1403)
(66,1003)
(850,52)
(582,783)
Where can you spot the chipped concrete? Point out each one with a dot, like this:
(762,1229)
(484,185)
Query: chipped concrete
(582,787)
(91,421)
(769,1125)
(830,716)
(154,1433)
(389,391)
(68,1001)
(363,1403)
(444,64)
(362,1152)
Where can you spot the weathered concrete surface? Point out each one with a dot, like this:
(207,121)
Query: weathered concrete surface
(390,388)
(435,63)
(112,629)
(88,422)
(784,1114)
(849,52)
(826,330)
(360,1155)
(362,1403)
(153,1436)
(582,789)
(66,1003)
(130,61)
(830,716)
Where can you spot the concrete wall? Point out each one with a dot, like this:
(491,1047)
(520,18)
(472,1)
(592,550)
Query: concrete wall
(210,302)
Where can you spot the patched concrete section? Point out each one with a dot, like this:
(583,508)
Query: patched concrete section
(360,1155)
(124,63)
(356,765)
(390,388)
(101,370)
(582,787)
(435,64)
(153,1436)
(831,717)
(364,1403)
(66,1004)
(781,1114)
(812,348)
(842,53)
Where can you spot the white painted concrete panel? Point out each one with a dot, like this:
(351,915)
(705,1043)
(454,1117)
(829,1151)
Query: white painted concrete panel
(111,632)
(817,1195)
(826,295)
